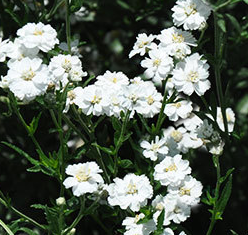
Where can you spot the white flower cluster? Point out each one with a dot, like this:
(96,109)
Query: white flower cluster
(113,92)
(28,77)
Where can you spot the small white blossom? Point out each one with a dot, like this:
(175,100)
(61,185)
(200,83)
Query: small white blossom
(172,170)
(176,42)
(28,78)
(92,100)
(191,75)
(155,148)
(84,178)
(158,65)
(3,49)
(71,96)
(132,191)
(192,14)
(38,35)
(178,109)
(189,190)
(142,45)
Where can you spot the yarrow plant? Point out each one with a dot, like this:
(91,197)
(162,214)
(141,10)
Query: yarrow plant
(126,146)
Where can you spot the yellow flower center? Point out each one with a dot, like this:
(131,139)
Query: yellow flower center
(28,75)
(177,38)
(132,189)
(71,95)
(184,191)
(172,167)
(159,207)
(193,76)
(190,10)
(83,175)
(66,65)
(155,147)
(176,135)
(38,32)
(114,80)
(177,105)
(156,62)
(150,100)
(142,44)
(96,99)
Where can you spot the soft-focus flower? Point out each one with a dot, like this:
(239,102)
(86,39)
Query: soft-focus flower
(38,35)
(84,178)
(172,170)
(142,45)
(176,42)
(153,149)
(230,116)
(3,49)
(192,14)
(131,225)
(132,191)
(28,78)
(191,75)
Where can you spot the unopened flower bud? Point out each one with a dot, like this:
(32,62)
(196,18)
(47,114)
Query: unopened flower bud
(72,232)
(60,201)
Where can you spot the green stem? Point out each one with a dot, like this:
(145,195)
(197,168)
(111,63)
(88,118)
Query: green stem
(222,5)
(216,196)
(68,26)
(6,228)
(120,140)
(17,112)
(218,58)
(20,214)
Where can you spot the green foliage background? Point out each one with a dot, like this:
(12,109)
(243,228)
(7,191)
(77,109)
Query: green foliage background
(109,37)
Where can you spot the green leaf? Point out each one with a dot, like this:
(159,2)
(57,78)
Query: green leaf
(126,163)
(34,124)
(233,232)
(14,16)
(39,206)
(222,179)
(34,169)
(21,152)
(108,160)
(104,149)
(226,192)
(52,219)
(246,1)
(28,231)
(234,22)
(116,123)
(221,23)
(161,220)
(242,106)
(76,5)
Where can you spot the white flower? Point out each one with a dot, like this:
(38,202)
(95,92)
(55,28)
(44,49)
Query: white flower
(190,123)
(65,68)
(191,75)
(167,231)
(131,225)
(132,191)
(178,211)
(159,204)
(142,45)
(110,79)
(158,65)
(180,109)
(176,42)
(3,49)
(92,100)
(28,78)
(149,103)
(84,178)
(153,149)
(230,116)
(189,190)
(205,130)
(17,51)
(192,14)
(172,170)
(71,96)
(38,35)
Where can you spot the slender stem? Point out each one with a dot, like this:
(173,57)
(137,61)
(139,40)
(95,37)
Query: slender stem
(216,196)
(223,5)
(120,140)
(144,123)
(20,214)
(218,57)
(101,224)
(17,112)
(68,26)
(6,228)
